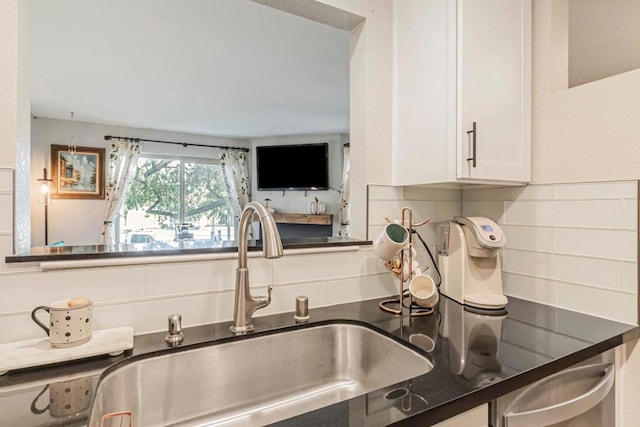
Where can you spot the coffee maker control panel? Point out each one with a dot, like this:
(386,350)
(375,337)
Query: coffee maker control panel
(486,231)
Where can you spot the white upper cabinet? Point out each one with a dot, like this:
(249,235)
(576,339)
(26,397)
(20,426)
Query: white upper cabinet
(462,95)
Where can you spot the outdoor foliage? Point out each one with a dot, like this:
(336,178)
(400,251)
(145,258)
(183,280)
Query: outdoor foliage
(156,190)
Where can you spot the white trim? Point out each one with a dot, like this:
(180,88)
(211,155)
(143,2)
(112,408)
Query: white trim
(109,262)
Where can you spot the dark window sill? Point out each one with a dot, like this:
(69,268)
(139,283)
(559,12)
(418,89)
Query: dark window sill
(87,252)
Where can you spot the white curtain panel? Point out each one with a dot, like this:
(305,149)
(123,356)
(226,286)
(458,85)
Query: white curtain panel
(121,168)
(343,230)
(236,179)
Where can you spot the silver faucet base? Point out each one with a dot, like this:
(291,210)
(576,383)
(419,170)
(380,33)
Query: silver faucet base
(239,330)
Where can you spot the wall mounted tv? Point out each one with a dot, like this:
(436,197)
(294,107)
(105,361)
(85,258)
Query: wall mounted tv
(293,167)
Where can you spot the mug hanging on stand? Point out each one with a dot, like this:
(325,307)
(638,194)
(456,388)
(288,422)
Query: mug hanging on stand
(391,241)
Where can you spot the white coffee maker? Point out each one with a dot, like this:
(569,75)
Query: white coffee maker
(470,264)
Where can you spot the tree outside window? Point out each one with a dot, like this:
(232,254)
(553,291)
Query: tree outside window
(176,200)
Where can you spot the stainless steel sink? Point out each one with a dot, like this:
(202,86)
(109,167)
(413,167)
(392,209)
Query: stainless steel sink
(257,380)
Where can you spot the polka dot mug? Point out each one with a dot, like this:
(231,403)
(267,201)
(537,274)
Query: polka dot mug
(70,322)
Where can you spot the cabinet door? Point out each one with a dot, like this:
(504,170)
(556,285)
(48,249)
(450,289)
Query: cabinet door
(494,90)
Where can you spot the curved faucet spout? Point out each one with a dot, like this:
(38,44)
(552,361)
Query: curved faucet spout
(245,304)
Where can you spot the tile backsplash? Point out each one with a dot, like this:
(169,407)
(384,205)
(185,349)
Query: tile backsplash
(6,213)
(436,205)
(142,296)
(568,245)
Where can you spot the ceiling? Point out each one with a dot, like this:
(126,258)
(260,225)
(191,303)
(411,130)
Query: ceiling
(214,67)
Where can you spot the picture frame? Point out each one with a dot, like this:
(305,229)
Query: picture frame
(77,174)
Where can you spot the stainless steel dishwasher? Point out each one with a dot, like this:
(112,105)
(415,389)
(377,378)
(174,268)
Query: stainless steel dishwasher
(580,396)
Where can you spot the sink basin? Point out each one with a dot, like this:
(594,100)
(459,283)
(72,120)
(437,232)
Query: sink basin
(255,380)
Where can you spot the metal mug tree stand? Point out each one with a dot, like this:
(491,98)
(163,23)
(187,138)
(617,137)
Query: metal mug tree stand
(398,301)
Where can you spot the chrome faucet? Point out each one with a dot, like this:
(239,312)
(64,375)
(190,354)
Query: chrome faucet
(245,305)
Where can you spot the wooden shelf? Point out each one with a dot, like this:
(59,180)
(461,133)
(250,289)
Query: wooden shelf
(296,218)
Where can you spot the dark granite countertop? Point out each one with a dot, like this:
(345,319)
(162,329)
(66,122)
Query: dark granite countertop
(184,247)
(504,351)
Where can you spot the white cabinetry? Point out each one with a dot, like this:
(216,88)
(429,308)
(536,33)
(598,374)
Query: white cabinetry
(459,66)
(476,417)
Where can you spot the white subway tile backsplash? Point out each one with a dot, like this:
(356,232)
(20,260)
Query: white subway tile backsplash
(595,272)
(598,302)
(434,194)
(284,298)
(579,213)
(616,244)
(6,213)
(489,209)
(6,180)
(19,327)
(359,288)
(587,271)
(630,214)
(597,190)
(445,211)
(630,277)
(303,268)
(378,211)
(537,192)
(151,315)
(540,239)
(421,211)
(525,262)
(170,279)
(21,292)
(223,303)
(384,192)
(529,288)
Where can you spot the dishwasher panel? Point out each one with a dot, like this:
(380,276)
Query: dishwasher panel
(581,396)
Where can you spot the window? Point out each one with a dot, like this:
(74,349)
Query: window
(176,200)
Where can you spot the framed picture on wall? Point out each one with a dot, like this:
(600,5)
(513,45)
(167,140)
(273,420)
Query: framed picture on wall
(77,174)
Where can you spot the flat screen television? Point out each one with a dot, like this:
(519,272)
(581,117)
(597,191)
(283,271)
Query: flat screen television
(293,167)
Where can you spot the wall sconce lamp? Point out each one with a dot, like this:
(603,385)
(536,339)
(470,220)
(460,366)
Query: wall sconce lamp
(44,198)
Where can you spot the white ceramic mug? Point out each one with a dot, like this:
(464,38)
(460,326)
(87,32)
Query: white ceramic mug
(66,397)
(390,241)
(424,290)
(68,325)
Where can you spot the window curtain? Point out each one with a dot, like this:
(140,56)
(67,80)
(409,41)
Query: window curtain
(343,213)
(121,169)
(236,179)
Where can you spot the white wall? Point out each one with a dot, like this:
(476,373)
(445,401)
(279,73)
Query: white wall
(603,39)
(9,82)
(79,222)
(298,201)
(14,108)
(586,133)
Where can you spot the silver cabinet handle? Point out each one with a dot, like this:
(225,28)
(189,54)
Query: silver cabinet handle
(473,145)
(560,411)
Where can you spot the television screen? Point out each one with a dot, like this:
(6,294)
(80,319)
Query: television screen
(293,167)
